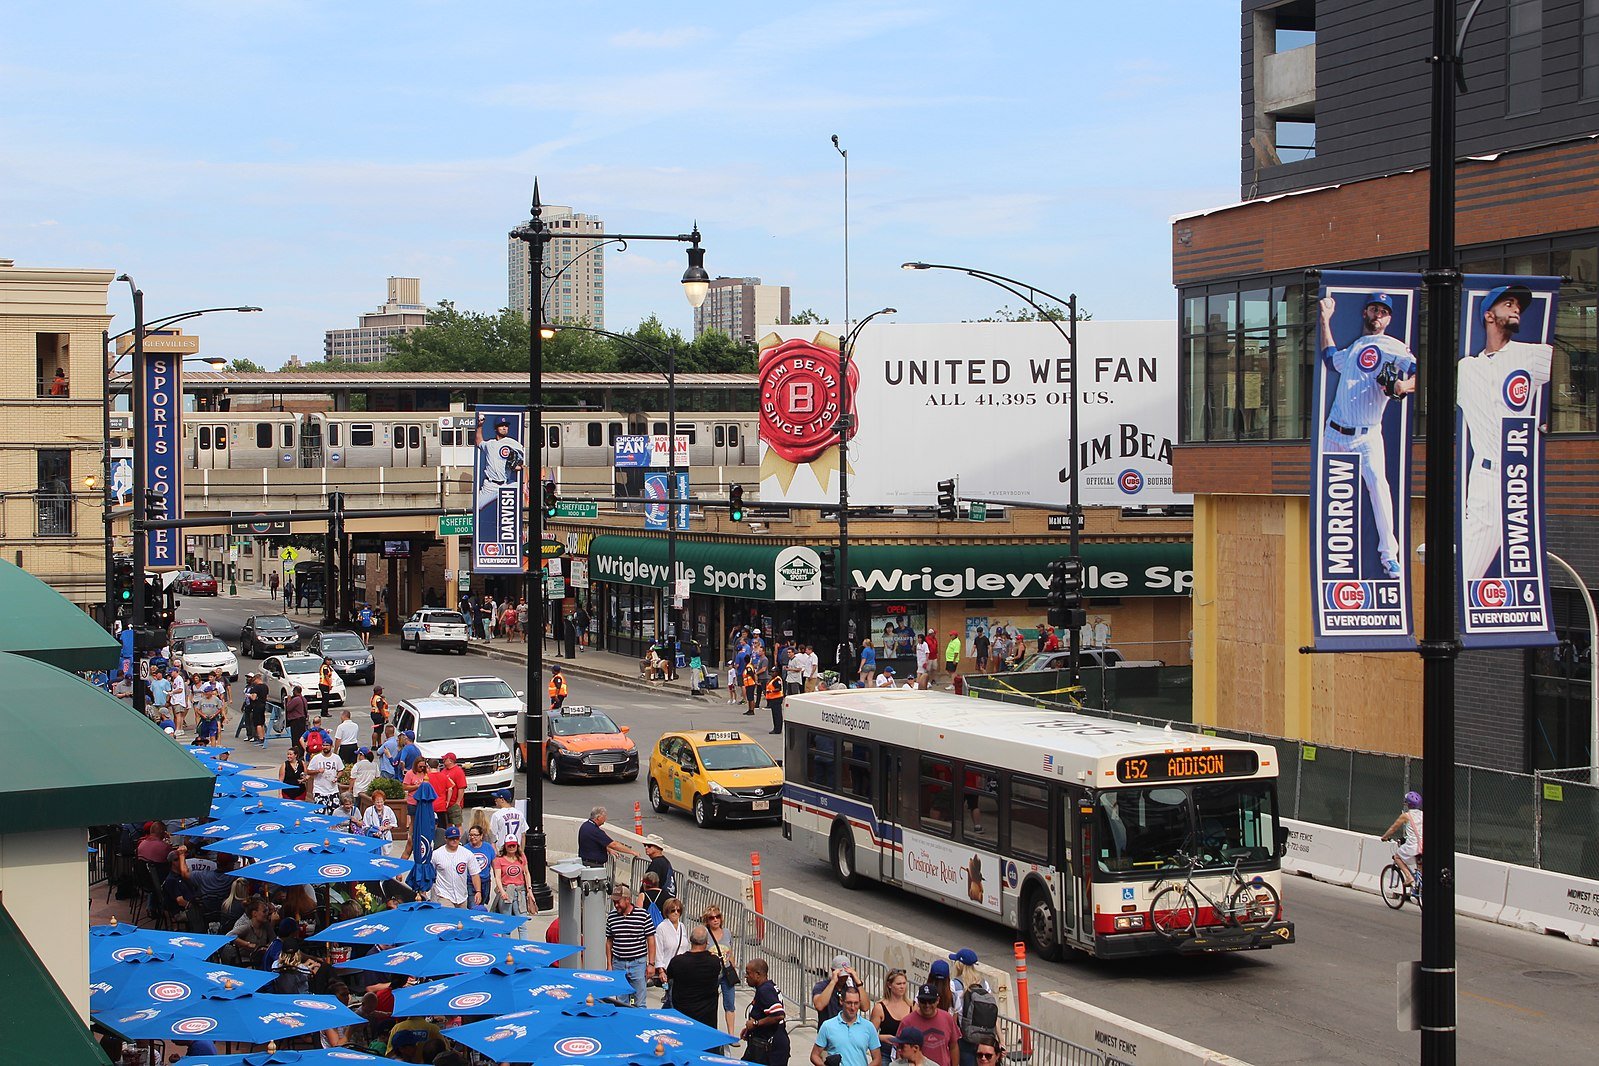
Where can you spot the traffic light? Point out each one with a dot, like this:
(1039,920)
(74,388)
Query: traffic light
(735,503)
(1066,593)
(551,499)
(122,580)
(829,559)
(155,506)
(947,510)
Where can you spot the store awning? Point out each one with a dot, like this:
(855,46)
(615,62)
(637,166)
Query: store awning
(1017,571)
(37,621)
(792,572)
(36,1018)
(77,757)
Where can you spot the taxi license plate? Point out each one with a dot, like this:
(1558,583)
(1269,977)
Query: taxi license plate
(761,805)
(607,768)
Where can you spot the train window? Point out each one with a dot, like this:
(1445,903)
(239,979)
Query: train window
(721,436)
(221,437)
(555,436)
(361,435)
(658,428)
(615,432)
(333,434)
(595,432)
(413,437)
(687,431)
(205,438)
(732,436)
(263,435)
(288,436)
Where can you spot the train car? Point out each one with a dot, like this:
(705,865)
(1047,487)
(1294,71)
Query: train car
(370,439)
(253,441)
(715,438)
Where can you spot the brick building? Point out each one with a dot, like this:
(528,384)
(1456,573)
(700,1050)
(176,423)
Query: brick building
(1352,192)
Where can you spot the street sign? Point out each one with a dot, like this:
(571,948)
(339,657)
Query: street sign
(549,549)
(455,525)
(1060,521)
(555,586)
(577,509)
(174,341)
(242,524)
(978,512)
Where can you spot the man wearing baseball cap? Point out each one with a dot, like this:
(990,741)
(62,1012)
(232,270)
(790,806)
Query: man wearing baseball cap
(505,822)
(456,879)
(940,1034)
(909,1041)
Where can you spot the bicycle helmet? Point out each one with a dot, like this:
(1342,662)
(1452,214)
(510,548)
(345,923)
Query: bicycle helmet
(1413,800)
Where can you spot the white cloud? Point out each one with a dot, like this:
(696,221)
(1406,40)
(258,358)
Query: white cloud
(677,37)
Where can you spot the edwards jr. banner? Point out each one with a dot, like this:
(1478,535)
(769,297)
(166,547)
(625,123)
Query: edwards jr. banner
(1360,461)
(1501,402)
(501,462)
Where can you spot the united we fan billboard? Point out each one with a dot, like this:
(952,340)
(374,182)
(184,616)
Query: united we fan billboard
(987,402)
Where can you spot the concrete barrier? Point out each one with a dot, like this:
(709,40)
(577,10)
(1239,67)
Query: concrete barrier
(1552,903)
(1481,886)
(1122,1041)
(1324,853)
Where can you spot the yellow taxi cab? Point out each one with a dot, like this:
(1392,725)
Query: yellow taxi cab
(717,775)
(586,742)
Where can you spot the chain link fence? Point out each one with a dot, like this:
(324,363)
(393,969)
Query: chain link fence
(1543,820)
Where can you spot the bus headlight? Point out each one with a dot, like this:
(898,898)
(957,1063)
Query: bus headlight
(1125,922)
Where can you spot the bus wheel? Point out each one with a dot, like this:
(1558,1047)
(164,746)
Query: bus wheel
(1040,927)
(842,849)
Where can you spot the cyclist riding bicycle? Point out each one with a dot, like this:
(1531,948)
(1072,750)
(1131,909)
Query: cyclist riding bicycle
(1407,831)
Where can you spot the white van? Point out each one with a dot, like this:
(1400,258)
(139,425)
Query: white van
(444,724)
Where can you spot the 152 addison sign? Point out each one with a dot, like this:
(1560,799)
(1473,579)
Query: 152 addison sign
(987,401)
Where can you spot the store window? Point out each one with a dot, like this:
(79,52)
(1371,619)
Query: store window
(1557,693)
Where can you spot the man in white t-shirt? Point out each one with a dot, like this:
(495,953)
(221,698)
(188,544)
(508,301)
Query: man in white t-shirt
(454,873)
(324,767)
(505,823)
(346,738)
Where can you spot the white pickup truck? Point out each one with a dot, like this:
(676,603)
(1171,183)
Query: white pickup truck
(1088,658)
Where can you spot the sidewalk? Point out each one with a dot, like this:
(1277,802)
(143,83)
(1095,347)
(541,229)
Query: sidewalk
(590,663)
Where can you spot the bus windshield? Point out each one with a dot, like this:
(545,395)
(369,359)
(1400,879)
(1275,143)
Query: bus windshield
(1145,830)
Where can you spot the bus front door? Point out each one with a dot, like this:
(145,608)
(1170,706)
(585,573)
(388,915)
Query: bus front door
(1082,866)
(890,859)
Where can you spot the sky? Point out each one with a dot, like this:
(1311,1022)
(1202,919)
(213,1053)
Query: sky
(294,154)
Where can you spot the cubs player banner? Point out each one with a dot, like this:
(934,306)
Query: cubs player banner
(500,464)
(159,441)
(1360,461)
(1501,404)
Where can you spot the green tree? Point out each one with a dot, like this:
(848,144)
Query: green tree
(1051,313)
(246,366)
(807,317)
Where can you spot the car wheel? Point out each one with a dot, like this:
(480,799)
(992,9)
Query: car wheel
(516,757)
(553,772)
(657,801)
(702,812)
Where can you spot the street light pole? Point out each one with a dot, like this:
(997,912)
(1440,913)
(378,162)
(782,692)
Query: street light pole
(139,475)
(846,423)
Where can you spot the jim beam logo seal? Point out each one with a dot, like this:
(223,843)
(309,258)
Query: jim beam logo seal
(800,404)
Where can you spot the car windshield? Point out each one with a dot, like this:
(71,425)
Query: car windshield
(273,624)
(574,725)
(746,756)
(203,646)
(444,618)
(180,632)
(342,642)
(493,689)
(301,664)
(454,727)
(1143,830)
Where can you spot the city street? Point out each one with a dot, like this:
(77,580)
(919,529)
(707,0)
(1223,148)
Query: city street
(1328,999)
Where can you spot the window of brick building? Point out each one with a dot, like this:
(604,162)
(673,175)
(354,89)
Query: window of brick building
(51,350)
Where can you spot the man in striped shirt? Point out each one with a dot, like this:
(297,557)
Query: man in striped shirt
(629,941)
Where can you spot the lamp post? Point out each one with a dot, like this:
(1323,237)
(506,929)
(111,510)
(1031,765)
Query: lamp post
(1026,292)
(696,283)
(846,422)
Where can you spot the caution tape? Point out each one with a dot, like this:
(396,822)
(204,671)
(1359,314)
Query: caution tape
(1077,691)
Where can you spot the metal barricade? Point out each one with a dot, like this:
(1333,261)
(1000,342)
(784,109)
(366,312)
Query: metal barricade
(1025,1044)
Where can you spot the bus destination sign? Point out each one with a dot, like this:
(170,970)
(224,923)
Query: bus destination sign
(1186,766)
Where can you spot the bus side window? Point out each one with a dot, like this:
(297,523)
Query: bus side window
(937,795)
(1029,819)
(857,770)
(821,761)
(981,804)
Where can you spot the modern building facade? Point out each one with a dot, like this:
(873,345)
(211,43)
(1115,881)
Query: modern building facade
(1527,203)
(369,342)
(574,270)
(737,306)
(52,435)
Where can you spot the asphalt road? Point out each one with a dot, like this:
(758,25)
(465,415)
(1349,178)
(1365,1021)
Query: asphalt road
(1328,999)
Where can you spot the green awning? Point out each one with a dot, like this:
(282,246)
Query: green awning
(37,1022)
(1017,571)
(78,757)
(790,572)
(37,621)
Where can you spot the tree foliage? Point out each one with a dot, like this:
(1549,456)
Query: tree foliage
(1050,313)
(246,366)
(807,317)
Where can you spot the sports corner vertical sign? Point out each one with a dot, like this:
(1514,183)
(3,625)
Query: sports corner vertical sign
(501,463)
(160,441)
(1501,403)
(1360,460)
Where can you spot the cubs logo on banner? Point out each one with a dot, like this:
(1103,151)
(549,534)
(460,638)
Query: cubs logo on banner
(501,464)
(160,444)
(655,488)
(1501,403)
(1360,461)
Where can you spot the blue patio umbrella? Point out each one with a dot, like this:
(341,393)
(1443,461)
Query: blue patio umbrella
(585,1033)
(321,864)
(460,950)
(200,751)
(415,921)
(117,940)
(664,1056)
(297,836)
(245,785)
(509,985)
(251,820)
(231,1013)
(422,824)
(151,978)
(337,1056)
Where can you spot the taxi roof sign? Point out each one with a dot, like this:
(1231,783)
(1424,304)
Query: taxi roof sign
(574,710)
(726,734)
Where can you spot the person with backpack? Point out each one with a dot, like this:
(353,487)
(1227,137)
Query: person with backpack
(976,1007)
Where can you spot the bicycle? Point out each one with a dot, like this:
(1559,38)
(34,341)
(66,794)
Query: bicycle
(1393,887)
(1250,905)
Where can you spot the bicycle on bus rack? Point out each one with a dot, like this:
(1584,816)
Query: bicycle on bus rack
(1249,905)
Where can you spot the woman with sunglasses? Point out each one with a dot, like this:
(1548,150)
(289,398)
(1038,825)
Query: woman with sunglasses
(890,1011)
(715,928)
(509,878)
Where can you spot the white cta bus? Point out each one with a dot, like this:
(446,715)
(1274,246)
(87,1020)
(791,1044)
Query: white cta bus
(1062,826)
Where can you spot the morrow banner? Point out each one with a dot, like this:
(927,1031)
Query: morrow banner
(501,463)
(1501,404)
(1360,461)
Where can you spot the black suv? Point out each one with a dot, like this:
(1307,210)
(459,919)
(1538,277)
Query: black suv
(268,634)
(352,659)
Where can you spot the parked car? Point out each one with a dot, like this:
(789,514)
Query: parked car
(584,742)
(352,659)
(269,634)
(435,628)
(721,775)
(283,672)
(195,583)
(1088,659)
(201,655)
(450,724)
(493,695)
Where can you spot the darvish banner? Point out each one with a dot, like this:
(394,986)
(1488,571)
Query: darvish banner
(984,401)
(1360,461)
(1501,408)
(500,465)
